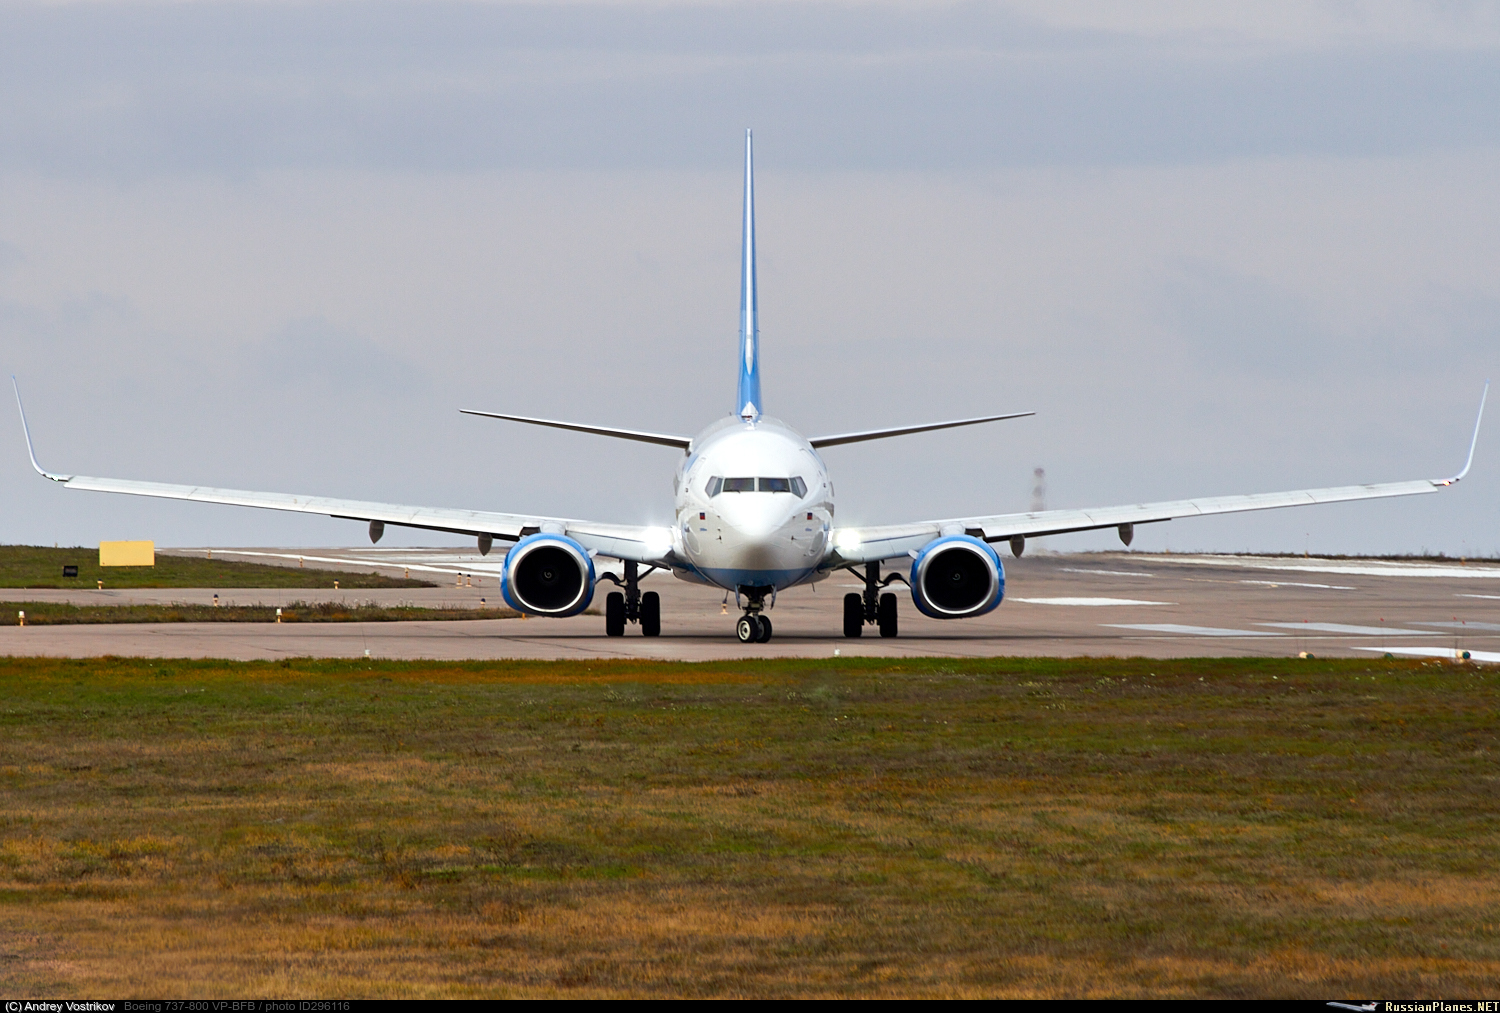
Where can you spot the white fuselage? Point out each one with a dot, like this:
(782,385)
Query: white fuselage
(754,507)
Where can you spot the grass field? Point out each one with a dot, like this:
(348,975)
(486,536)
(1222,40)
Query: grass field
(869,827)
(38,566)
(64,614)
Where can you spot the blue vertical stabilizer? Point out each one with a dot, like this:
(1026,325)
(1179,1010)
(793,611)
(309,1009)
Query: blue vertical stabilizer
(748,405)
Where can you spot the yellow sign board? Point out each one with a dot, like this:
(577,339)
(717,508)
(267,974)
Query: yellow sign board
(127,553)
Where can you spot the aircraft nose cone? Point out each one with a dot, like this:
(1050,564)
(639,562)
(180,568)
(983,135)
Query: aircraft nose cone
(757,516)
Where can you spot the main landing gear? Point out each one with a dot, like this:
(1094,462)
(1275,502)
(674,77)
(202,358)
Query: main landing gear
(754,626)
(632,606)
(872,606)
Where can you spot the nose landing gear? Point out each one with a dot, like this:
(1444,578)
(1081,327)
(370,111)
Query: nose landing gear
(754,626)
(872,606)
(753,629)
(632,606)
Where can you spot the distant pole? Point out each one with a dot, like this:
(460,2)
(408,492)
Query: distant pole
(1038,498)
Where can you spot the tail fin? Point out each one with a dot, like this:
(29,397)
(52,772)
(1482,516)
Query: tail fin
(748,402)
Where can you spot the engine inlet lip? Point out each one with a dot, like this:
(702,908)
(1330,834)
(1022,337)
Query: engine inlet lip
(922,571)
(525,552)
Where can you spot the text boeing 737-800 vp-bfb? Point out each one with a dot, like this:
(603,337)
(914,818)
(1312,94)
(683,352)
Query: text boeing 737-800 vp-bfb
(754,516)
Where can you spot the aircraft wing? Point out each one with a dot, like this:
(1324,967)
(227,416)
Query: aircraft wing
(869,544)
(622,541)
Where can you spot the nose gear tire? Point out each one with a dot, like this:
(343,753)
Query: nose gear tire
(747,629)
(765,628)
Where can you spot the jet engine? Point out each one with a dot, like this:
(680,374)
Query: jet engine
(956,577)
(548,575)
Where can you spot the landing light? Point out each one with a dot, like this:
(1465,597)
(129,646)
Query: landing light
(658,541)
(847,539)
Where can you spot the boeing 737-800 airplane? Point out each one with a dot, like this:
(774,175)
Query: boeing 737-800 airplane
(754,513)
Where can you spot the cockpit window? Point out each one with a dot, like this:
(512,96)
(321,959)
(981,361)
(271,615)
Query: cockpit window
(795,486)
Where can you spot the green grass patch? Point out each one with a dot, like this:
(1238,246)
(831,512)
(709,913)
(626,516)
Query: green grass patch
(64,614)
(40,567)
(1254,828)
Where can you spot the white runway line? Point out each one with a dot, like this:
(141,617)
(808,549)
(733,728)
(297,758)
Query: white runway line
(1108,573)
(1197,631)
(491,568)
(1292,583)
(1365,568)
(1436,652)
(1089,601)
(1463,626)
(1491,597)
(1353,631)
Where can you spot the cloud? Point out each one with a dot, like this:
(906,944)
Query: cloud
(129,90)
(312,353)
(1218,248)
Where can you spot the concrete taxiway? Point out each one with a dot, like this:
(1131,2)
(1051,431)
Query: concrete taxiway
(1056,605)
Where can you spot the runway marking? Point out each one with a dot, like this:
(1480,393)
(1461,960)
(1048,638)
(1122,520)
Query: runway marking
(1436,652)
(1491,597)
(1292,583)
(1463,626)
(492,568)
(1367,568)
(1353,631)
(1109,573)
(1090,601)
(1197,631)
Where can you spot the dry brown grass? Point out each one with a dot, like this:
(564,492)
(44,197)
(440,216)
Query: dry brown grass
(1004,828)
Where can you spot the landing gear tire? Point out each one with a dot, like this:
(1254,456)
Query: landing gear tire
(614,614)
(765,628)
(887,618)
(747,629)
(854,615)
(651,614)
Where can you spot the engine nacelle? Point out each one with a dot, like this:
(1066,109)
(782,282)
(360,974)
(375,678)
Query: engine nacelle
(548,575)
(956,577)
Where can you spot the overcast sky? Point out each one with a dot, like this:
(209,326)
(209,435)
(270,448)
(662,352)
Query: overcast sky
(1218,248)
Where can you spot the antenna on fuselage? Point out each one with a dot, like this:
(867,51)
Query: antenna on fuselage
(749,392)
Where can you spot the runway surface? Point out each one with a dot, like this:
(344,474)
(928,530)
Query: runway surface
(1056,605)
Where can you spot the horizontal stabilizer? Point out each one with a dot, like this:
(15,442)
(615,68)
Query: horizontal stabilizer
(880,434)
(664,439)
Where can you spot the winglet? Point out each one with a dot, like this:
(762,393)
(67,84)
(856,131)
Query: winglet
(1474,440)
(27,430)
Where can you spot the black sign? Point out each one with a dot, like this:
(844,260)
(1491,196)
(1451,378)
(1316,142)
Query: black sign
(70,571)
